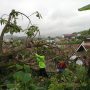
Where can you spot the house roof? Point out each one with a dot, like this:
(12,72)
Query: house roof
(81,48)
(69,35)
(84,46)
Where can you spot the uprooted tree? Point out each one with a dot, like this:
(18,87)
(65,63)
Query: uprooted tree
(11,26)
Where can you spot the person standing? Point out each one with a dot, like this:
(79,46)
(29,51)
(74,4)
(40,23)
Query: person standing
(41,63)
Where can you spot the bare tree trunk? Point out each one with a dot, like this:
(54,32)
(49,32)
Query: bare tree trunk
(0,44)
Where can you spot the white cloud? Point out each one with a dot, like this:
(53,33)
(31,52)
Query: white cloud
(59,16)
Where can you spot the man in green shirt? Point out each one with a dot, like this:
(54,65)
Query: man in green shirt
(41,63)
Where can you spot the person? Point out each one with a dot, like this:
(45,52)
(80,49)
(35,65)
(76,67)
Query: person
(41,63)
(61,66)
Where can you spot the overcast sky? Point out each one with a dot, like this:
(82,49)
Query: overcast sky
(59,16)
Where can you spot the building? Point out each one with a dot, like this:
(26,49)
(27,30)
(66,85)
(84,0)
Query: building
(84,46)
(69,36)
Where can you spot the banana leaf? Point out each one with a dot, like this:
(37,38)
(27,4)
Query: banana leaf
(87,7)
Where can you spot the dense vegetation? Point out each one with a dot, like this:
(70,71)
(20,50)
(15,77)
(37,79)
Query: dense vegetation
(18,67)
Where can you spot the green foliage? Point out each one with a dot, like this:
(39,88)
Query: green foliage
(70,79)
(81,38)
(14,14)
(81,72)
(32,31)
(38,15)
(55,85)
(83,35)
(75,41)
(19,76)
(26,68)
(87,7)
(67,76)
(58,58)
(19,67)
(3,21)
(12,28)
(85,32)
(22,79)
(16,43)
(12,23)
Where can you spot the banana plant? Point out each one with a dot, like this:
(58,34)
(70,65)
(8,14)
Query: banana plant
(10,24)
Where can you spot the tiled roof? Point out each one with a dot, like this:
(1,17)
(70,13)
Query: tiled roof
(69,35)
